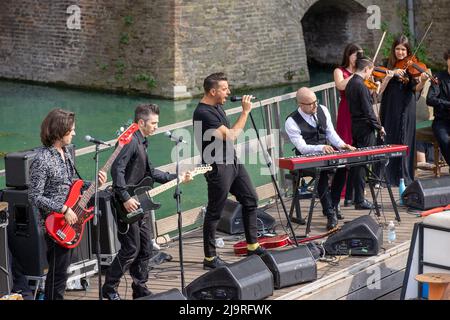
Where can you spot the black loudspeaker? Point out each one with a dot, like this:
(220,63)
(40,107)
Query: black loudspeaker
(172,294)
(26,235)
(292,266)
(248,279)
(5,272)
(231,219)
(361,237)
(17,166)
(109,243)
(425,194)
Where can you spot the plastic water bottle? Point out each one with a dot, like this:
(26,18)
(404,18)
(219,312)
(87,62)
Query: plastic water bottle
(401,189)
(220,243)
(391,232)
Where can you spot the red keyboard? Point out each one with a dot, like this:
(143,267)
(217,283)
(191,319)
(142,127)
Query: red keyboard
(341,158)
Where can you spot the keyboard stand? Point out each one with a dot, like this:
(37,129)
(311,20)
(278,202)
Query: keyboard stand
(372,179)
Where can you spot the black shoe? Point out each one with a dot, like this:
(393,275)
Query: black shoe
(365,205)
(111,295)
(337,209)
(215,263)
(332,222)
(259,251)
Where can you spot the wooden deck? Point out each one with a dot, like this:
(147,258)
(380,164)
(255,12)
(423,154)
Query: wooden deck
(341,277)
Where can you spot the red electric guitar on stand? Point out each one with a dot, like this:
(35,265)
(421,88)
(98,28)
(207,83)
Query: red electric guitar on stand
(69,236)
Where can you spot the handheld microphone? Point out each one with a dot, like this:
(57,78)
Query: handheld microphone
(88,138)
(174,137)
(238,98)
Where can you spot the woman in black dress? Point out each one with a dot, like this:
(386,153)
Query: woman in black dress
(398,112)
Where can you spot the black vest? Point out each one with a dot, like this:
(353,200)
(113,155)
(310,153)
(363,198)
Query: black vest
(311,135)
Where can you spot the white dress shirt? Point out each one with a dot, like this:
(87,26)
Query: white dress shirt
(295,134)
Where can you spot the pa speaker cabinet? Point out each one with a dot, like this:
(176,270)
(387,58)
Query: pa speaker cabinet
(172,294)
(231,219)
(26,235)
(359,237)
(292,266)
(17,166)
(425,194)
(248,279)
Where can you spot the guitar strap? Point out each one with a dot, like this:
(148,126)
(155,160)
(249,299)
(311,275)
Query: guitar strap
(76,172)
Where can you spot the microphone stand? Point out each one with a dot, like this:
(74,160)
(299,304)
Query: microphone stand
(177,197)
(97,214)
(274,181)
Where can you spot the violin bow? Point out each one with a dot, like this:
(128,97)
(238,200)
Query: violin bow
(379,46)
(423,38)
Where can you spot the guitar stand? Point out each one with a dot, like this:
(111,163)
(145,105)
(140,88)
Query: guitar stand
(372,180)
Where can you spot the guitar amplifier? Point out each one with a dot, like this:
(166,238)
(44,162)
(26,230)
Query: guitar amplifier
(17,166)
(362,236)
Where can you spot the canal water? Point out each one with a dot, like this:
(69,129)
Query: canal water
(23,107)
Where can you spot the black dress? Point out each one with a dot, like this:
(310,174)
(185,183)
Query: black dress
(398,117)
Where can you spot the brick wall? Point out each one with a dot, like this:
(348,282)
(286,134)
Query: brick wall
(120,46)
(125,45)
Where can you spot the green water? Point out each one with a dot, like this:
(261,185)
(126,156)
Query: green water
(23,107)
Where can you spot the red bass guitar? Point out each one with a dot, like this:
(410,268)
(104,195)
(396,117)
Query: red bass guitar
(69,236)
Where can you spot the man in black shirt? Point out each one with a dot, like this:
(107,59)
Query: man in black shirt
(215,138)
(130,167)
(364,124)
(439,98)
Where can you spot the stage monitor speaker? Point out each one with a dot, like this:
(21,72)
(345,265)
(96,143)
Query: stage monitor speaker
(17,166)
(26,235)
(292,266)
(172,294)
(231,219)
(248,279)
(5,272)
(362,236)
(430,193)
(109,243)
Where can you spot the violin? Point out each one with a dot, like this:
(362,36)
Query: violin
(381,72)
(371,85)
(415,68)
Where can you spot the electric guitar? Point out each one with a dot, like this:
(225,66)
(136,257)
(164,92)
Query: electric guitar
(69,236)
(278,241)
(143,193)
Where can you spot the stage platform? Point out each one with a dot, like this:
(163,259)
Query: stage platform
(340,277)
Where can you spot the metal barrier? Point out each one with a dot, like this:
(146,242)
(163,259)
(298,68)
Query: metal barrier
(272,112)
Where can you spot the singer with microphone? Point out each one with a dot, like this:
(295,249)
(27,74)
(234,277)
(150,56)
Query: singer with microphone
(130,167)
(215,138)
(52,174)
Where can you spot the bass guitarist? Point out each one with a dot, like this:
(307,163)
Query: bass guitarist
(130,167)
(52,174)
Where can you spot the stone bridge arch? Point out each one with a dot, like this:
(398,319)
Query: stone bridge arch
(329,25)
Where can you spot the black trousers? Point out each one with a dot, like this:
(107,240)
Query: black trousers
(441,130)
(59,259)
(225,178)
(362,137)
(135,252)
(330,197)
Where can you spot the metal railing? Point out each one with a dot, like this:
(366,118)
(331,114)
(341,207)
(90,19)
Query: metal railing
(272,110)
